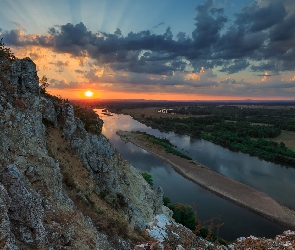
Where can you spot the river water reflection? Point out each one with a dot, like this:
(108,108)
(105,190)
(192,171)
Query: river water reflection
(270,178)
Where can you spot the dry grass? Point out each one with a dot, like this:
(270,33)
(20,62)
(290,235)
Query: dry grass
(20,104)
(80,186)
(287,137)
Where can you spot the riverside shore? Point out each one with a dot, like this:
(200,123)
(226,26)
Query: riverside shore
(217,183)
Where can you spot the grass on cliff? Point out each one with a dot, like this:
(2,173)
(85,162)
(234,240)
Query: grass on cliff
(79,184)
(164,143)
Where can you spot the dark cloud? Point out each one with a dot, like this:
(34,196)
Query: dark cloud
(209,23)
(268,66)
(118,32)
(236,66)
(80,71)
(60,64)
(158,25)
(34,56)
(257,18)
(261,37)
(62,84)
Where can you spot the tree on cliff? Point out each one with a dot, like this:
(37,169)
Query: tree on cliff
(43,85)
(6,52)
(148,178)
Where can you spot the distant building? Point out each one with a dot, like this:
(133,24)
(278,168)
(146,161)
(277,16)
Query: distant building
(165,111)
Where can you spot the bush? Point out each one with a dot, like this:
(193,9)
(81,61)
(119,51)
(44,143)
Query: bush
(93,124)
(184,214)
(148,178)
(166,201)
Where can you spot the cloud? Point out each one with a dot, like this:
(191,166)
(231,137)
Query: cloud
(256,18)
(80,71)
(259,32)
(63,84)
(60,64)
(260,38)
(209,23)
(236,66)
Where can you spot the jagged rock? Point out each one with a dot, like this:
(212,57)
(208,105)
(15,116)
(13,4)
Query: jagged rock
(174,235)
(7,240)
(48,112)
(283,241)
(158,200)
(25,208)
(24,77)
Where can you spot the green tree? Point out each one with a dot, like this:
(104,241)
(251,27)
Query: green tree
(184,214)
(148,178)
(282,145)
(166,201)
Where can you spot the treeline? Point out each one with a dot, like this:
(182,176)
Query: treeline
(280,118)
(209,124)
(238,136)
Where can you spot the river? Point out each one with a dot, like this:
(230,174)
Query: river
(275,180)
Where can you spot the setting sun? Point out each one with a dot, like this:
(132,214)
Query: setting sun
(88,93)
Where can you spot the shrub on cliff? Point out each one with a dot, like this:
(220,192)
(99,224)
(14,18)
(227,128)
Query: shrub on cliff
(184,214)
(93,124)
(148,178)
(43,85)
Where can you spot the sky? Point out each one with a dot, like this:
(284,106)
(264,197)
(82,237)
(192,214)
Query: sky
(160,50)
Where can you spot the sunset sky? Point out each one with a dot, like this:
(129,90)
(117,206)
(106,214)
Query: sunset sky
(151,49)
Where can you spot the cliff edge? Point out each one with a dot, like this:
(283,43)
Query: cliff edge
(60,186)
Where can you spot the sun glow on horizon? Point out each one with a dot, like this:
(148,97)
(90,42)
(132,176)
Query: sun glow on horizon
(88,93)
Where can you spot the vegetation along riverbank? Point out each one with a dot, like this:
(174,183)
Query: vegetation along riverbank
(265,133)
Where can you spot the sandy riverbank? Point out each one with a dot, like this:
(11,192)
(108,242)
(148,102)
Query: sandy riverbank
(217,183)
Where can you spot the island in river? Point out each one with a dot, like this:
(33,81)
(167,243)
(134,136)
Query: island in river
(223,186)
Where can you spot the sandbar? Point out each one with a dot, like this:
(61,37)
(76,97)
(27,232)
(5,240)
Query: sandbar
(217,183)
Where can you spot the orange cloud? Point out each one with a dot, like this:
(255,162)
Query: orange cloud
(192,76)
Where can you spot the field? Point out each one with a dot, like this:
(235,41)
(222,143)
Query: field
(287,137)
(139,113)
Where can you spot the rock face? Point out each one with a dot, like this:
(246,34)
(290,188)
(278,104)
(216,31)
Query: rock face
(121,183)
(35,210)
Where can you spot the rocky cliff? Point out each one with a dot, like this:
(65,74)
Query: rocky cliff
(60,186)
